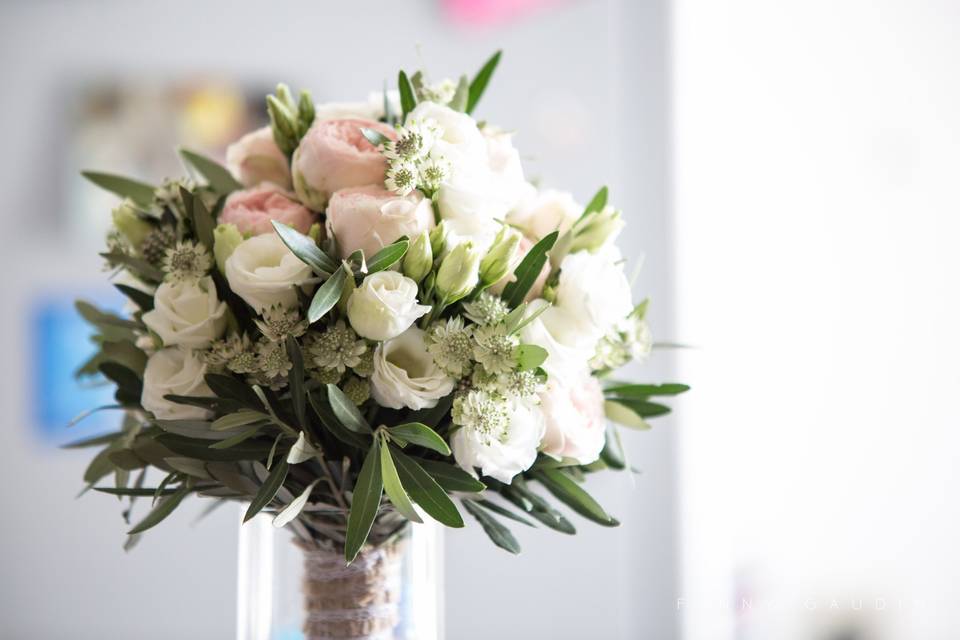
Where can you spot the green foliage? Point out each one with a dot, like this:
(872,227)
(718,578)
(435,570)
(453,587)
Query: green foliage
(528,271)
(408,100)
(480,81)
(219,179)
(365,504)
(419,434)
(393,486)
(497,533)
(306,249)
(327,295)
(140,192)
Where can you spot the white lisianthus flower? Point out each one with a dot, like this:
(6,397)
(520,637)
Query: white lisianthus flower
(405,374)
(187,313)
(592,296)
(174,371)
(498,435)
(572,406)
(543,212)
(460,141)
(485,177)
(384,306)
(562,356)
(264,272)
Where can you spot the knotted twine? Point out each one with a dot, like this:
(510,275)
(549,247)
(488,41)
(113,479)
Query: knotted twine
(359,601)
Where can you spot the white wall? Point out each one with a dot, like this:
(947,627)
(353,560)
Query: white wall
(561,85)
(817,146)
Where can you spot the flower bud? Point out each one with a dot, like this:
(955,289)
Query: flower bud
(284,124)
(438,238)
(496,264)
(226,238)
(419,258)
(596,230)
(127,222)
(459,272)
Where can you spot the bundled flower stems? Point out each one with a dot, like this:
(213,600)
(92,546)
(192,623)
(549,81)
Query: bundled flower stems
(370,317)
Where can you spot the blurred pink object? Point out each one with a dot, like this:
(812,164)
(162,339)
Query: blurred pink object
(252,210)
(481,12)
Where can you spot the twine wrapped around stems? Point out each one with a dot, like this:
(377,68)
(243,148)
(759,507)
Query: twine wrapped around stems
(359,601)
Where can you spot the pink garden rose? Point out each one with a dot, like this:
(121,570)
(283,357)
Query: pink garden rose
(251,210)
(536,289)
(370,218)
(256,158)
(334,155)
(576,425)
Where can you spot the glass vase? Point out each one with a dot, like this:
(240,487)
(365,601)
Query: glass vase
(289,592)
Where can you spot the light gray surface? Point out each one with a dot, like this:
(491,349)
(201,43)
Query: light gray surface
(585,86)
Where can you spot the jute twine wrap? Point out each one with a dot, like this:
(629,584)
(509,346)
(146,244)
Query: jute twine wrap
(359,601)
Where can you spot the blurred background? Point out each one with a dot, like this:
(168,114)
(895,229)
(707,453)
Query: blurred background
(788,173)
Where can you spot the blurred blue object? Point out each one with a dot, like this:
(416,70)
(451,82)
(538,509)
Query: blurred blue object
(59,345)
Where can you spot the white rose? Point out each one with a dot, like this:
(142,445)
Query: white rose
(575,422)
(384,306)
(174,371)
(501,455)
(405,375)
(544,212)
(187,313)
(592,296)
(264,272)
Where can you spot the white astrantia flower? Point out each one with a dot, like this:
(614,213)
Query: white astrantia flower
(174,371)
(523,385)
(402,177)
(186,262)
(515,385)
(494,347)
(278,322)
(434,171)
(384,305)
(440,92)
(264,272)
(235,352)
(187,313)
(273,362)
(486,309)
(336,348)
(451,345)
(497,435)
(414,141)
(405,374)
(630,340)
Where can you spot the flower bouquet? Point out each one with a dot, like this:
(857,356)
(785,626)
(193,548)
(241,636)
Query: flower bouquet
(369,318)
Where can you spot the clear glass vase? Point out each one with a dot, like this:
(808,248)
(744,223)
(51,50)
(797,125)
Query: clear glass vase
(288,593)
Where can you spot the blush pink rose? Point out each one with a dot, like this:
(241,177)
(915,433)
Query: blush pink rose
(252,210)
(536,289)
(256,158)
(573,411)
(370,218)
(335,155)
